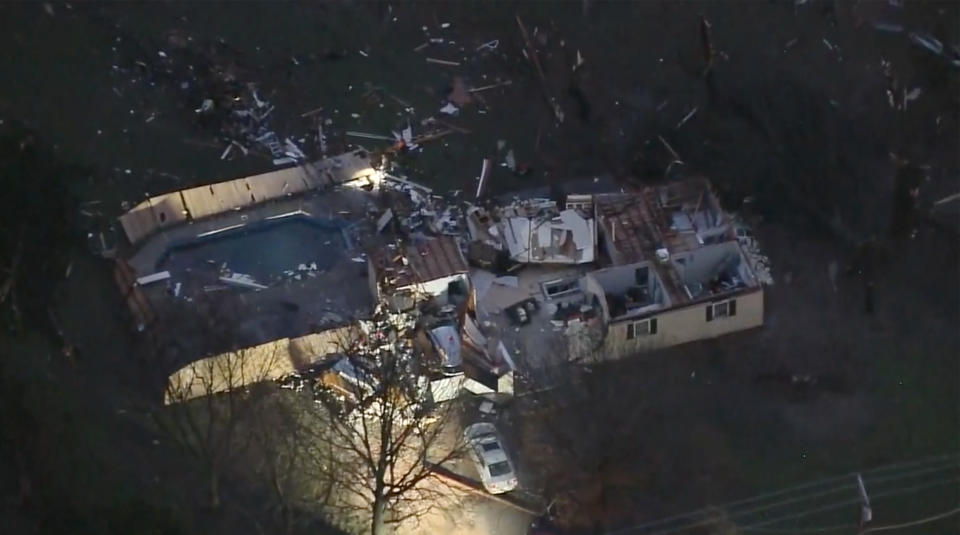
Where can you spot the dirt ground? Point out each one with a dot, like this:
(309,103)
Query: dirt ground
(712,422)
(795,114)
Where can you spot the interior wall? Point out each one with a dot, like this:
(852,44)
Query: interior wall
(699,265)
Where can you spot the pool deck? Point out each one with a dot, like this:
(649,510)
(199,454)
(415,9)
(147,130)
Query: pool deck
(306,302)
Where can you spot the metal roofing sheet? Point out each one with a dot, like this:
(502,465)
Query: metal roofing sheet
(436,258)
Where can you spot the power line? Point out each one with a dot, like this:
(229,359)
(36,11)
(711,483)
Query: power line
(935,463)
(837,527)
(926,520)
(830,507)
(801,531)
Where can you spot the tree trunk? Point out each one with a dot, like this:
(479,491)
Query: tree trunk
(378,523)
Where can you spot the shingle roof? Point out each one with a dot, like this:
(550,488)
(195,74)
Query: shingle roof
(426,260)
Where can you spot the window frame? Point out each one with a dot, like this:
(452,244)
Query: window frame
(652,328)
(729,307)
(574,286)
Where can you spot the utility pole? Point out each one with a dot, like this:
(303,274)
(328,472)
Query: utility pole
(866,513)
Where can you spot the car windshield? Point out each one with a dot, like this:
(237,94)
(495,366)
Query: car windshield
(490,446)
(499,469)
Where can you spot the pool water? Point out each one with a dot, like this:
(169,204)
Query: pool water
(264,252)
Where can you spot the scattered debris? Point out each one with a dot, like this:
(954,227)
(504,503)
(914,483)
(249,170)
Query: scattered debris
(887,27)
(489,45)
(926,41)
(484,174)
(205,107)
(491,86)
(913,94)
(293,151)
(676,157)
(510,161)
(450,109)
(948,198)
(459,94)
(443,62)
(354,133)
(751,248)
(706,40)
(531,55)
(451,126)
(154,277)
(384,220)
(578,62)
(688,116)
(241,280)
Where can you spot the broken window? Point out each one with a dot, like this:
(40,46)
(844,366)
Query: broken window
(637,329)
(560,287)
(642,276)
(724,309)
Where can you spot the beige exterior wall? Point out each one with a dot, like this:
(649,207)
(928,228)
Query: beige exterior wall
(681,325)
(235,370)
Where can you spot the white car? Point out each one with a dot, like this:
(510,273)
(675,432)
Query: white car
(486,450)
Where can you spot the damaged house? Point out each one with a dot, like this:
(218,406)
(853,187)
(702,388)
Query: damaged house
(429,278)
(677,271)
(278,262)
(599,275)
(653,267)
(536,231)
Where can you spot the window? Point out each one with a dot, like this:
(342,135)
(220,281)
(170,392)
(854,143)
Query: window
(560,287)
(499,469)
(723,309)
(490,446)
(642,276)
(637,329)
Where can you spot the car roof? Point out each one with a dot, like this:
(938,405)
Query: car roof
(479,428)
(446,339)
(495,456)
(489,456)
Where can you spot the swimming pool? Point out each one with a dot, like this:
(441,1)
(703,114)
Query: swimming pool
(264,250)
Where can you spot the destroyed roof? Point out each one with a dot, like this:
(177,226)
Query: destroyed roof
(419,262)
(535,231)
(680,216)
(178,207)
(662,225)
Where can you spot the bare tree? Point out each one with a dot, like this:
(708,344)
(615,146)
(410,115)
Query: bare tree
(383,424)
(208,400)
(577,428)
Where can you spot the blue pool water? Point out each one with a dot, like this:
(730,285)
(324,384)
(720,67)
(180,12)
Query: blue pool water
(263,250)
